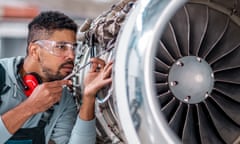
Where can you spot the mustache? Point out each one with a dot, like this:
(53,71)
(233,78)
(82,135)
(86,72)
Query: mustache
(67,63)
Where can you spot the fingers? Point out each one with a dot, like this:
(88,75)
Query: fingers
(51,90)
(46,95)
(58,83)
(97,65)
(56,87)
(107,70)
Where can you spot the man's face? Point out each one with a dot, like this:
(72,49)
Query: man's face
(56,57)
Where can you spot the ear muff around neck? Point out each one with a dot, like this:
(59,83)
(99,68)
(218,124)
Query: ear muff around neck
(31,81)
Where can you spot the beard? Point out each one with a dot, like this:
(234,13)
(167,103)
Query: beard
(51,76)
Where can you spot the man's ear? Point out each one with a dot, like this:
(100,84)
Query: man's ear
(33,50)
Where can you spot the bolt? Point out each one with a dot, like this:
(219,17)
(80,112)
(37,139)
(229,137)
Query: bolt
(187,98)
(199,59)
(212,75)
(173,83)
(179,63)
(206,95)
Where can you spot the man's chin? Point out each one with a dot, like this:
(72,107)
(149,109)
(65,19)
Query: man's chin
(65,74)
(66,71)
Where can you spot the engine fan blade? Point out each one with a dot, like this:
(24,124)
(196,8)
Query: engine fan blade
(229,106)
(191,132)
(165,98)
(164,55)
(160,77)
(181,26)
(208,133)
(214,32)
(228,76)
(227,129)
(230,90)
(228,62)
(161,66)
(169,40)
(178,119)
(229,42)
(198,26)
(161,87)
(170,108)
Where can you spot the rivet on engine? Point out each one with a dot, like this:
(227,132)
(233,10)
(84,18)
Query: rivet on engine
(199,59)
(206,95)
(212,75)
(173,83)
(179,63)
(187,98)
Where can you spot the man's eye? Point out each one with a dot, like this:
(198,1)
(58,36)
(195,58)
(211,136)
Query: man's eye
(62,47)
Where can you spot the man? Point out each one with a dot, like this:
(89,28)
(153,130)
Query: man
(35,105)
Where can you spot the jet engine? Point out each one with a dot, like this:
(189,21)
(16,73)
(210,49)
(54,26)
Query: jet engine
(175,75)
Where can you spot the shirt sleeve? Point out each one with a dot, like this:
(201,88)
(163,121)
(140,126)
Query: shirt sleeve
(4,133)
(84,132)
(64,122)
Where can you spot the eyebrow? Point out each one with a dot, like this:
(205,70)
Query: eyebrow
(64,42)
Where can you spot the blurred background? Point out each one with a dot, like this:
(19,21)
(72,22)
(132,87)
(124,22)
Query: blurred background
(16,14)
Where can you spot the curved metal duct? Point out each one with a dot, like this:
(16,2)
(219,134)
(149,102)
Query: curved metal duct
(138,105)
(176,72)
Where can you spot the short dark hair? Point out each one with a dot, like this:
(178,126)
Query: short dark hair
(43,25)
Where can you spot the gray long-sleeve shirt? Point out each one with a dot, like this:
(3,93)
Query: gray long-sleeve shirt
(65,125)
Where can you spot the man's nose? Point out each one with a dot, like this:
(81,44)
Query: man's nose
(70,53)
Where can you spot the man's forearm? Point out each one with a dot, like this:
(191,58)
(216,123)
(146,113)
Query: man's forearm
(87,109)
(16,117)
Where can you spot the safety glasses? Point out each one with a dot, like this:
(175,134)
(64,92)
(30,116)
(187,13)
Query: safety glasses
(57,48)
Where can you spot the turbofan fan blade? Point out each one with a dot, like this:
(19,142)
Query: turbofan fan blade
(170,41)
(214,32)
(160,77)
(228,76)
(170,108)
(178,119)
(230,90)
(228,62)
(164,55)
(198,26)
(181,27)
(208,133)
(230,107)
(191,132)
(160,66)
(165,98)
(229,41)
(227,129)
(161,87)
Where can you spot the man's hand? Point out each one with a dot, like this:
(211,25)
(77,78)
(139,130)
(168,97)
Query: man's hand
(46,95)
(98,76)
(43,97)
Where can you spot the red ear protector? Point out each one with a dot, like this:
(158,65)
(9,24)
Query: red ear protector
(31,80)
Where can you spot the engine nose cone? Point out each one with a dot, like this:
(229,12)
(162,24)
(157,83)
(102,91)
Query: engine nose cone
(191,79)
